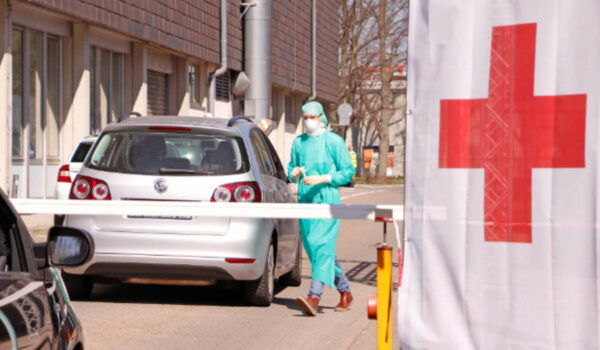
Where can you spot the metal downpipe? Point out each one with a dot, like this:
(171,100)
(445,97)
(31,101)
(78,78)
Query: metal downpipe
(314,51)
(212,89)
(257,59)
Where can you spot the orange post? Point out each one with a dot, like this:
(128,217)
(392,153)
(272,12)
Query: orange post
(384,297)
(379,306)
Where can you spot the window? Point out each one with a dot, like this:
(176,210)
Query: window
(52,117)
(194,93)
(17,93)
(222,86)
(265,161)
(82,150)
(198,85)
(116,88)
(35,98)
(106,88)
(153,153)
(36,95)
(12,256)
(277,162)
(290,116)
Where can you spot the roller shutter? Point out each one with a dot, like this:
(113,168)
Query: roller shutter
(158,93)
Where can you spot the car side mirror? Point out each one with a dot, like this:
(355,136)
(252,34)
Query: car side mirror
(69,246)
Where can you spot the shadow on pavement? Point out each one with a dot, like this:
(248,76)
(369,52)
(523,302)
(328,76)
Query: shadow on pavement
(291,304)
(226,294)
(161,294)
(222,294)
(363,272)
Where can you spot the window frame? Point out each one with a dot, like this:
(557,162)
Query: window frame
(26,119)
(21,127)
(197,83)
(98,119)
(59,96)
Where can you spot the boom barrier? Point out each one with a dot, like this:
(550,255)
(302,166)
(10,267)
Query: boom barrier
(211,209)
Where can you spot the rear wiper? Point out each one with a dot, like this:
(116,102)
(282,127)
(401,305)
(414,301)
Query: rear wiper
(171,171)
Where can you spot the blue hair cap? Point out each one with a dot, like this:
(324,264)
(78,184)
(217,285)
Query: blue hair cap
(315,108)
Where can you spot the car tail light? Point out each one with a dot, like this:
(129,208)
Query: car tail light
(64,174)
(238,192)
(244,193)
(221,194)
(240,261)
(85,187)
(169,128)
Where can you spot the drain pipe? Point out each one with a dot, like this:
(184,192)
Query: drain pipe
(212,89)
(257,59)
(314,51)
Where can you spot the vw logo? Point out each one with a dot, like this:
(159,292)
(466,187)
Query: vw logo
(160,185)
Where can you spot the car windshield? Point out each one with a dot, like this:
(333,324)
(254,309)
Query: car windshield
(81,151)
(168,153)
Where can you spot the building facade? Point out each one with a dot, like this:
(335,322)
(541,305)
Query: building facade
(70,67)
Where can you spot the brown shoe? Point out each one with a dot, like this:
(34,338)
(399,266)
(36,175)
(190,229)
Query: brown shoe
(308,305)
(345,301)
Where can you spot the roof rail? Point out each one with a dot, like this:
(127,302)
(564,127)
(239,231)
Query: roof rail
(129,115)
(233,120)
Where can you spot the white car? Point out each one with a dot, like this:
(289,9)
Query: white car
(68,172)
(187,159)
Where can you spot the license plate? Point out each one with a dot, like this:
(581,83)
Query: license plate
(160,217)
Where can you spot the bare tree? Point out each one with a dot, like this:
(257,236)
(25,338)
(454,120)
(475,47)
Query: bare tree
(372,45)
(356,35)
(391,23)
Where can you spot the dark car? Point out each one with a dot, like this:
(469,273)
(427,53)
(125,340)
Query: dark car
(35,311)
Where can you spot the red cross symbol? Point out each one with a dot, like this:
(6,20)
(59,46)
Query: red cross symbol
(511,132)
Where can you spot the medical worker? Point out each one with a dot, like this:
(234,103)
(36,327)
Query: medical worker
(320,163)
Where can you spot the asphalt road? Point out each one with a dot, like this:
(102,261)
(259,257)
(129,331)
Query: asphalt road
(132,316)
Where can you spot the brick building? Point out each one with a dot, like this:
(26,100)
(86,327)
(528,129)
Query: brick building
(69,67)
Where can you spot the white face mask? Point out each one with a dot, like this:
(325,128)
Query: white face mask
(312,126)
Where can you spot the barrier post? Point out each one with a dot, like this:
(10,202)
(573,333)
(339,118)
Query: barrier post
(380,306)
(384,297)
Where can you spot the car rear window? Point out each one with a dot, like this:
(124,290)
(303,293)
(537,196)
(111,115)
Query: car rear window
(169,153)
(81,151)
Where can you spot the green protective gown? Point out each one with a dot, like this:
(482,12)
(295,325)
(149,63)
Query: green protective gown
(321,155)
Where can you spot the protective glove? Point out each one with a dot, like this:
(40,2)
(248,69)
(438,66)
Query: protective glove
(313,180)
(297,172)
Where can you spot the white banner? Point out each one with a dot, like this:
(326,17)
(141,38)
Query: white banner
(502,176)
